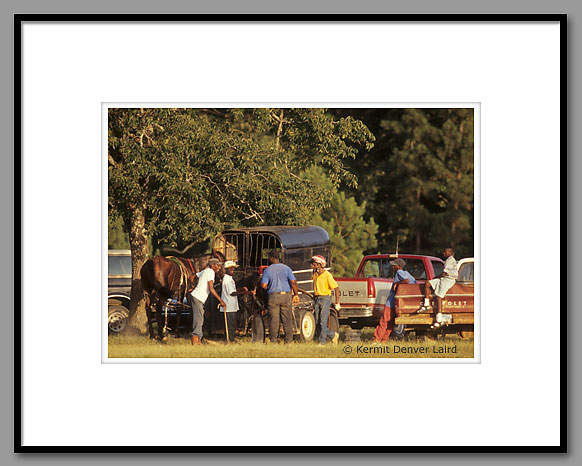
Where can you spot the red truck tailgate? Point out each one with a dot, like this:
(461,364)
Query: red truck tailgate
(459,299)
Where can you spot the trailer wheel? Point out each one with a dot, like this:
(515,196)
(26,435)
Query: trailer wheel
(307,326)
(118,318)
(258,328)
(398,332)
(466,334)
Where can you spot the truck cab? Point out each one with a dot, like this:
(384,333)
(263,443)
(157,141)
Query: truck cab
(363,297)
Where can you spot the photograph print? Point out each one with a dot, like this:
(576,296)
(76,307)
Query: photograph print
(341,233)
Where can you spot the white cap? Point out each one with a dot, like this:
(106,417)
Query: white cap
(228,264)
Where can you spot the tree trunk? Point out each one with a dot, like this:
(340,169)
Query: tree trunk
(139,252)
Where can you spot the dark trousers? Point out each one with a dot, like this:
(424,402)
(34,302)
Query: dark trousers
(197,315)
(280,312)
(231,323)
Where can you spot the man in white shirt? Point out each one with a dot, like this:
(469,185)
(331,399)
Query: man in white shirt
(229,296)
(199,296)
(441,285)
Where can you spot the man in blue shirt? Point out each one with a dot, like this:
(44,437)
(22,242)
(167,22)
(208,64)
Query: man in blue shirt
(278,280)
(386,325)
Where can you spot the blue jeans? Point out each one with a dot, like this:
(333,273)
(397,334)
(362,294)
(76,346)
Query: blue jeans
(322,305)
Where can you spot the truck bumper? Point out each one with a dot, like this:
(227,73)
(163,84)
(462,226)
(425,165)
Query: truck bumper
(356,313)
(428,319)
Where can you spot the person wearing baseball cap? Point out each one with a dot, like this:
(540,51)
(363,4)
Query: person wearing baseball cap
(199,295)
(323,285)
(386,325)
(229,296)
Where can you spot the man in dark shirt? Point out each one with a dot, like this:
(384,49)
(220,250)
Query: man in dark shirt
(278,280)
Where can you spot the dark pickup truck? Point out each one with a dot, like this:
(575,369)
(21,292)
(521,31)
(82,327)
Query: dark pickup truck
(119,289)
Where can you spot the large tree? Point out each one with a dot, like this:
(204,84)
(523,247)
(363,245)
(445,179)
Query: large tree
(181,175)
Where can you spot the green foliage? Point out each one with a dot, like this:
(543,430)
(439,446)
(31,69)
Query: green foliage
(195,171)
(418,180)
(117,238)
(344,220)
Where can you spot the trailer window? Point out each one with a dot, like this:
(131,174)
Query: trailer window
(260,245)
(231,245)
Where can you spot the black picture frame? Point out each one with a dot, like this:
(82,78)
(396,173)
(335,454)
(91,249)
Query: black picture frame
(20,19)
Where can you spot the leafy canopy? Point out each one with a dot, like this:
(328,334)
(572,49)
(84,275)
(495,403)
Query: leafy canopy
(194,172)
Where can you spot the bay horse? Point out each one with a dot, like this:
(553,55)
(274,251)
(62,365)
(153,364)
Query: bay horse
(169,277)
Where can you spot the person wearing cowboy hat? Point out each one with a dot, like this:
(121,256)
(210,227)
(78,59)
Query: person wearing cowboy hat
(229,296)
(386,325)
(323,285)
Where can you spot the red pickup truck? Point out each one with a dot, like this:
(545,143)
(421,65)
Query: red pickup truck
(458,306)
(363,298)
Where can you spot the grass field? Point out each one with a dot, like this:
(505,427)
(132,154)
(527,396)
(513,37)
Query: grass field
(121,346)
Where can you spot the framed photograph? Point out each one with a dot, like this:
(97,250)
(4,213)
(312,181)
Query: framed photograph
(351,211)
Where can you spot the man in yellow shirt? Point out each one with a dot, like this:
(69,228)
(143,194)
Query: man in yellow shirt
(323,284)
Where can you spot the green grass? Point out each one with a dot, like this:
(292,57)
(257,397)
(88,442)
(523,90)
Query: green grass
(122,346)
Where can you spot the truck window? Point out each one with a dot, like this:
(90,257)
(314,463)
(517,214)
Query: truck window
(416,268)
(119,265)
(437,267)
(466,272)
(371,268)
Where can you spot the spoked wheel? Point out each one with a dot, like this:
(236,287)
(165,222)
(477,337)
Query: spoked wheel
(307,326)
(118,318)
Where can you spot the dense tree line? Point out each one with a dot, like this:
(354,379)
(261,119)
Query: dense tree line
(418,179)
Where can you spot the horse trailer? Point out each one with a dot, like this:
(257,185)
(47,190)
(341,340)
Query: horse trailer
(250,248)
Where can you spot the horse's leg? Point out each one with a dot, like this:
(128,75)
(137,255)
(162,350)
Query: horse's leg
(178,317)
(149,314)
(160,318)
